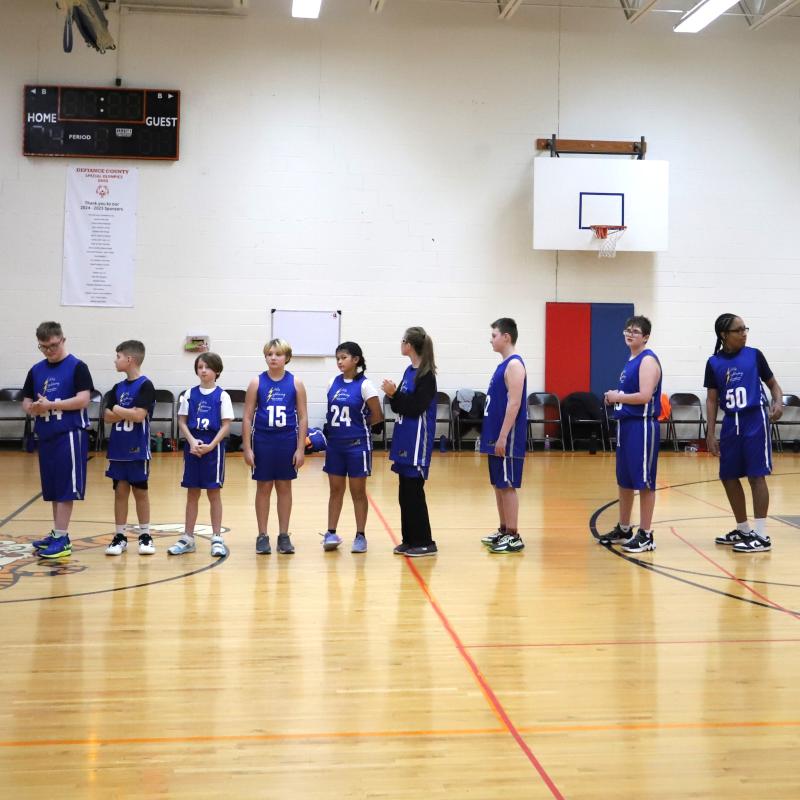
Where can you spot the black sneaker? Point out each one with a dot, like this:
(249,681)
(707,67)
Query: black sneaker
(639,543)
(262,545)
(420,552)
(508,543)
(752,543)
(285,546)
(617,535)
(401,549)
(731,538)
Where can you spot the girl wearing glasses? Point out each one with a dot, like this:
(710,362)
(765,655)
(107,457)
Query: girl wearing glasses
(734,377)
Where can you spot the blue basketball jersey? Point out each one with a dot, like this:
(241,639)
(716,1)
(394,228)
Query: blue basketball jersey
(412,437)
(494,413)
(738,380)
(204,417)
(276,407)
(348,413)
(629,384)
(130,441)
(57,382)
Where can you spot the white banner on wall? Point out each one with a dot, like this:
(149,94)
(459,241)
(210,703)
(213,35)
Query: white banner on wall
(99,236)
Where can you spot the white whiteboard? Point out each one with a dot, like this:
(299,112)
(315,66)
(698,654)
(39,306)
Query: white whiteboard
(310,333)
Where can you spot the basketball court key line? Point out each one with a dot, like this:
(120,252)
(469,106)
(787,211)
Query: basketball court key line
(488,693)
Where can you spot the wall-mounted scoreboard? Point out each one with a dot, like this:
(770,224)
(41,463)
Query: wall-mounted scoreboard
(88,122)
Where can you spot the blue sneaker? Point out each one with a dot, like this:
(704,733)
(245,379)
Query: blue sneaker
(58,547)
(38,544)
(330,541)
(359,544)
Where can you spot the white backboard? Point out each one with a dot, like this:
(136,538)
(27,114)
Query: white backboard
(572,194)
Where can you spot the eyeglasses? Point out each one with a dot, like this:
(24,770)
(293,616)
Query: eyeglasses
(49,348)
(632,332)
(738,330)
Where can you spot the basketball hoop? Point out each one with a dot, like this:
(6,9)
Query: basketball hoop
(608,235)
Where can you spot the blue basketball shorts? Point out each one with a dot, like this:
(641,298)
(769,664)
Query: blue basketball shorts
(135,473)
(637,452)
(273,457)
(348,457)
(745,447)
(206,471)
(505,472)
(62,466)
(411,471)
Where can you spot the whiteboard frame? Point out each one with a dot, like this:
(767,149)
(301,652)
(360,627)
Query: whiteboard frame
(295,325)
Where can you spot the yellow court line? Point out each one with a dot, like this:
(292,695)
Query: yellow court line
(400,734)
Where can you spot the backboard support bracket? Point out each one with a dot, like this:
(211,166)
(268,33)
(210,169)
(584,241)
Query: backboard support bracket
(589,147)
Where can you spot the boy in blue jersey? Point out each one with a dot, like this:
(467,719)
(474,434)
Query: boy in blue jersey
(414,401)
(353,407)
(56,394)
(734,375)
(128,408)
(204,418)
(274,428)
(504,435)
(637,406)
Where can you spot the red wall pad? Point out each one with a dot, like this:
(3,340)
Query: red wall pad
(567,350)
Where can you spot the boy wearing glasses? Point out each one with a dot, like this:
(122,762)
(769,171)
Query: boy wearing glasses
(637,406)
(734,377)
(56,394)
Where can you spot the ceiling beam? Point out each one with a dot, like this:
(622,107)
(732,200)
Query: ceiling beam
(376,6)
(634,10)
(776,12)
(507,8)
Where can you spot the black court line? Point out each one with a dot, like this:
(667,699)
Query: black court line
(667,572)
(20,509)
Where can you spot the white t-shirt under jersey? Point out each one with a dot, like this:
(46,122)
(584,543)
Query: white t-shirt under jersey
(226,411)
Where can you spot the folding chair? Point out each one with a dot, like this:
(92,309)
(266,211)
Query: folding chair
(787,428)
(544,410)
(12,416)
(465,421)
(687,411)
(96,422)
(444,415)
(585,418)
(165,411)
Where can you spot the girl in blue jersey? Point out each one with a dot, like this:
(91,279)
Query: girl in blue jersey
(504,435)
(274,431)
(56,393)
(734,375)
(128,408)
(353,407)
(412,440)
(204,419)
(637,406)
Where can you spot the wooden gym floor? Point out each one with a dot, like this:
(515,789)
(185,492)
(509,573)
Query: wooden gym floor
(569,670)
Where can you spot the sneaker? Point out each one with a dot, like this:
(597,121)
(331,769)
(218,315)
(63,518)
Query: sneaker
(359,544)
(218,547)
(639,543)
(146,545)
(420,552)
(731,538)
(119,544)
(263,547)
(617,535)
(57,547)
(285,546)
(508,543)
(401,549)
(330,541)
(183,545)
(492,539)
(752,543)
(38,544)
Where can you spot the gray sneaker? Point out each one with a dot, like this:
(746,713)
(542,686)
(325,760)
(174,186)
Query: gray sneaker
(218,547)
(401,549)
(285,546)
(262,545)
(359,544)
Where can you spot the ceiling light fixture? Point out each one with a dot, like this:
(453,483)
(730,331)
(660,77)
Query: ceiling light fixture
(306,9)
(702,14)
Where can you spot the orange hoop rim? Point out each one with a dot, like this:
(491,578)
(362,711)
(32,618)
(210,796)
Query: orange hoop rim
(601,231)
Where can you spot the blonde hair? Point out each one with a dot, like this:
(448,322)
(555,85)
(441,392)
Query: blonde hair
(280,346)
(423,347)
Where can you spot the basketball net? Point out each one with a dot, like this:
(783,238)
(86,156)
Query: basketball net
(608,235)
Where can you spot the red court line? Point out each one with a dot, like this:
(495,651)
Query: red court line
(624,643)
(488,693)
(741,583)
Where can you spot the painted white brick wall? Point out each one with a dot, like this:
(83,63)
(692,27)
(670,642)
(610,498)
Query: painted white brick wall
(381,164)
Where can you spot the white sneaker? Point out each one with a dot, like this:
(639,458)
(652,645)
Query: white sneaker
(218,547)
(119,544)
(146,546)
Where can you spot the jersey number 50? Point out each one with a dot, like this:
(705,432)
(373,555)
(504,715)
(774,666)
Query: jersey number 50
(736,398)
